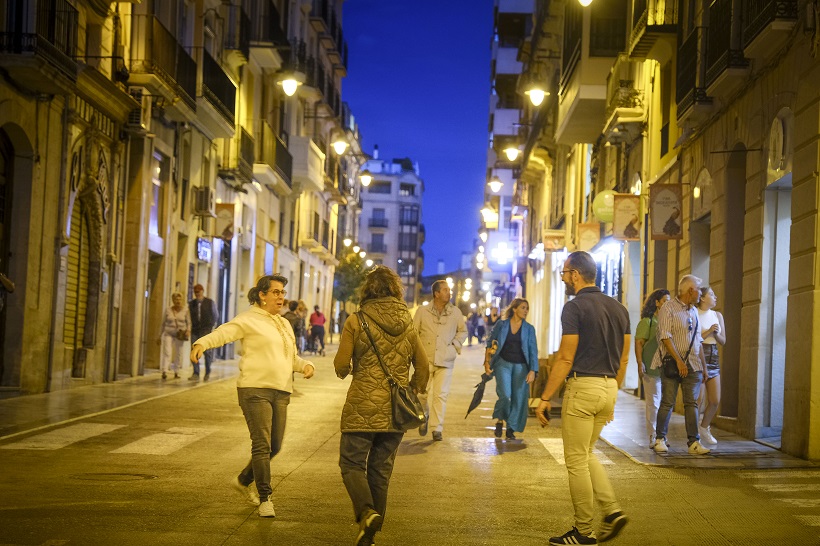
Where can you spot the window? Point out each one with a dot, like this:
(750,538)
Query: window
(159,173)
(378,213)
(379,187)
(406,190)
(408,241)
(409,216)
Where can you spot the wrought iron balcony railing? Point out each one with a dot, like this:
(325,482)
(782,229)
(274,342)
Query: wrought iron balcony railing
(378,223)
(757,14)
(238,31)
(719,52)
(217,87)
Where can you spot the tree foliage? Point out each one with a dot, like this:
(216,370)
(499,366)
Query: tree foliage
(348,278)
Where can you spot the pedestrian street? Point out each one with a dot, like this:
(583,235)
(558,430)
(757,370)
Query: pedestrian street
(158,472)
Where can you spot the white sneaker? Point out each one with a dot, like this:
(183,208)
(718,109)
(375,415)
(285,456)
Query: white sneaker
(697,449)
(266,509)
(660,446)
(652,441)
(706,435)
(248,492)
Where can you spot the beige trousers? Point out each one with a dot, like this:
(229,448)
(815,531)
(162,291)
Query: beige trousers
(438,387)
(588,403)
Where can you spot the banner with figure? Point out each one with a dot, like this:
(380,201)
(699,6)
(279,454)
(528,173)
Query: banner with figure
(224,221)
(665,211)
(626,222)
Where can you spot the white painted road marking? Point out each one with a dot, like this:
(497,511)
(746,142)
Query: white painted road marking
(788,488)
(814,521)
(166,442)
(555,447)
(760,475)
(802,503)
(60,438)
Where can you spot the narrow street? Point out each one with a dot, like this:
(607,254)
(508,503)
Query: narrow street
(157,472)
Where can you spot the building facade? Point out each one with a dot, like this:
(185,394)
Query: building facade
(391,231)
(147,147)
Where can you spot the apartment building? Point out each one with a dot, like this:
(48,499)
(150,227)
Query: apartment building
(150,146)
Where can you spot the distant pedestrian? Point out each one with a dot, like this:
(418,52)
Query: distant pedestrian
(492,318)
(370,440)
(297,323)
(302,311)
(515,364)
(679,332)
(204,319)
(646,345)
(594,352)
(441,328)
(265,381)
(472,328)
(713,332)
(317,328)
(176,330)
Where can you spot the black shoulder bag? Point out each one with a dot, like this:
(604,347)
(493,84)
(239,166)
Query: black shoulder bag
(407,410)
(670,367)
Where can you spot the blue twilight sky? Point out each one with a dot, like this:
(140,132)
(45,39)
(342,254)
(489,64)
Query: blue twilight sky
(418,84)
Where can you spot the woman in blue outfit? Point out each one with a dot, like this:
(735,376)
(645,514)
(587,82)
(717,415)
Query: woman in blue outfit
(512,354)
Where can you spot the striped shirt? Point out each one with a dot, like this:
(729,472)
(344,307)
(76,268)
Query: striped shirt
(677,321)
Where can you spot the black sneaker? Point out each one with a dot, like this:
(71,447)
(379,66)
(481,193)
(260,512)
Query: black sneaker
(612,525)
(573,536)
(510,434)
(499,426)
(423,428)
(368,526)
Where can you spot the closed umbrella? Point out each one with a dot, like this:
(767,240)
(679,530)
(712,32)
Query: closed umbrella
(479,393)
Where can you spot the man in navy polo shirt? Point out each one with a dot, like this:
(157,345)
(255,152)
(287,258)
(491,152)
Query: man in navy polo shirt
(594,353)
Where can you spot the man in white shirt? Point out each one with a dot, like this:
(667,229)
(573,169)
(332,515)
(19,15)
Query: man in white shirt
(442,332)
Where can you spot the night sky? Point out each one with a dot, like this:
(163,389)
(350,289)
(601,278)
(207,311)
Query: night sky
(418,84)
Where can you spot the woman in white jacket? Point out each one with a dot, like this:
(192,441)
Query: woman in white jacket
(269,358)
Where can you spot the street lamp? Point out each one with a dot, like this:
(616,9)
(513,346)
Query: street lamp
(585,3)
(362,254)
(495,184)
(340,145)
(347,241)
(483,236)
(366,177)
(356,248)
(536,94)
(511,152)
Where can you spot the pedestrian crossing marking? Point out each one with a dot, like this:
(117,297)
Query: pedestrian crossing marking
(802,503)
(555,447)
(814,521)
(760,475)
(62,437)
(165,443)
(788,488)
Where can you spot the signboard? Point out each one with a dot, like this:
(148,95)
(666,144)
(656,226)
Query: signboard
(588,235)
(626,222)
(203,249)
(224,221)
(603,205)
(665,211)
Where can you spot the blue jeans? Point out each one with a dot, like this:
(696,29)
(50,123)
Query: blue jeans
(513,393)
(366,460)
(206,354)
(690,386)
(266,411)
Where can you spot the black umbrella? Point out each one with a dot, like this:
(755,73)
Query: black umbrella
(479,393)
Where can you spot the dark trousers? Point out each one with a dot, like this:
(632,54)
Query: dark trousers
(207,354)
(366,460)
(318,332)
(266,412)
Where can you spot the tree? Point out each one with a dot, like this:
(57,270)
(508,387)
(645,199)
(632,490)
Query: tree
(348,278)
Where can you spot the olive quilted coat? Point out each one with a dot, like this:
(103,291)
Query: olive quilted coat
(368,404)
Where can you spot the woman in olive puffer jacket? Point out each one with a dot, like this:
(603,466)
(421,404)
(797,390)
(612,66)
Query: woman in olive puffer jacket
(369,439)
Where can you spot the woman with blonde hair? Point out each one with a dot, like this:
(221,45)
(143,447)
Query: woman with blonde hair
(714,334)
(512,355)
(265,381)
(380,334)
(176,330)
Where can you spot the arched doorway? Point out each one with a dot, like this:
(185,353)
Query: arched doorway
(6,179)
(733,278)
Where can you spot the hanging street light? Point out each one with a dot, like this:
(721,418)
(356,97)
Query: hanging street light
(536,95)
(495,184)
(347,241)
(340,146)
(511,152)
(366,177)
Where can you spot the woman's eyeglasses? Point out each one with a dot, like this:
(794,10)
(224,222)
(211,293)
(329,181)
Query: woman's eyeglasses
(277,293)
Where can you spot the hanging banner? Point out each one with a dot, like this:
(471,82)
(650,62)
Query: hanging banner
(588,235)
(224,221)
(626,223)
(665,211)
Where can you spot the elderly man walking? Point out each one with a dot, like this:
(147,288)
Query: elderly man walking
(679,334)
(442,332)
(594,352)
(204,318)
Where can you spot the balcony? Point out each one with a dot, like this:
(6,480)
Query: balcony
(216,100)
(625,112)
(379,223)
(726,67)
(325,22)
(238,33)
(335,180)
(159,63)
(268,33)
(308,164)
(377,248)
(592,42)
(274,164)
(422,234)
(312,238)
(694,103)
(766,26)
(238,159)
(654,30)
(41,58)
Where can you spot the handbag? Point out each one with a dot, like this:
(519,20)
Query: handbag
(181,334)
(670,367)
(408,412)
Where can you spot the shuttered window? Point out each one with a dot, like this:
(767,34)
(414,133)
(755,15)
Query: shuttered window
(76,299)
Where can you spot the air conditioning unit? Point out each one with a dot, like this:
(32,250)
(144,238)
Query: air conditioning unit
(140,118)
(204,202)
